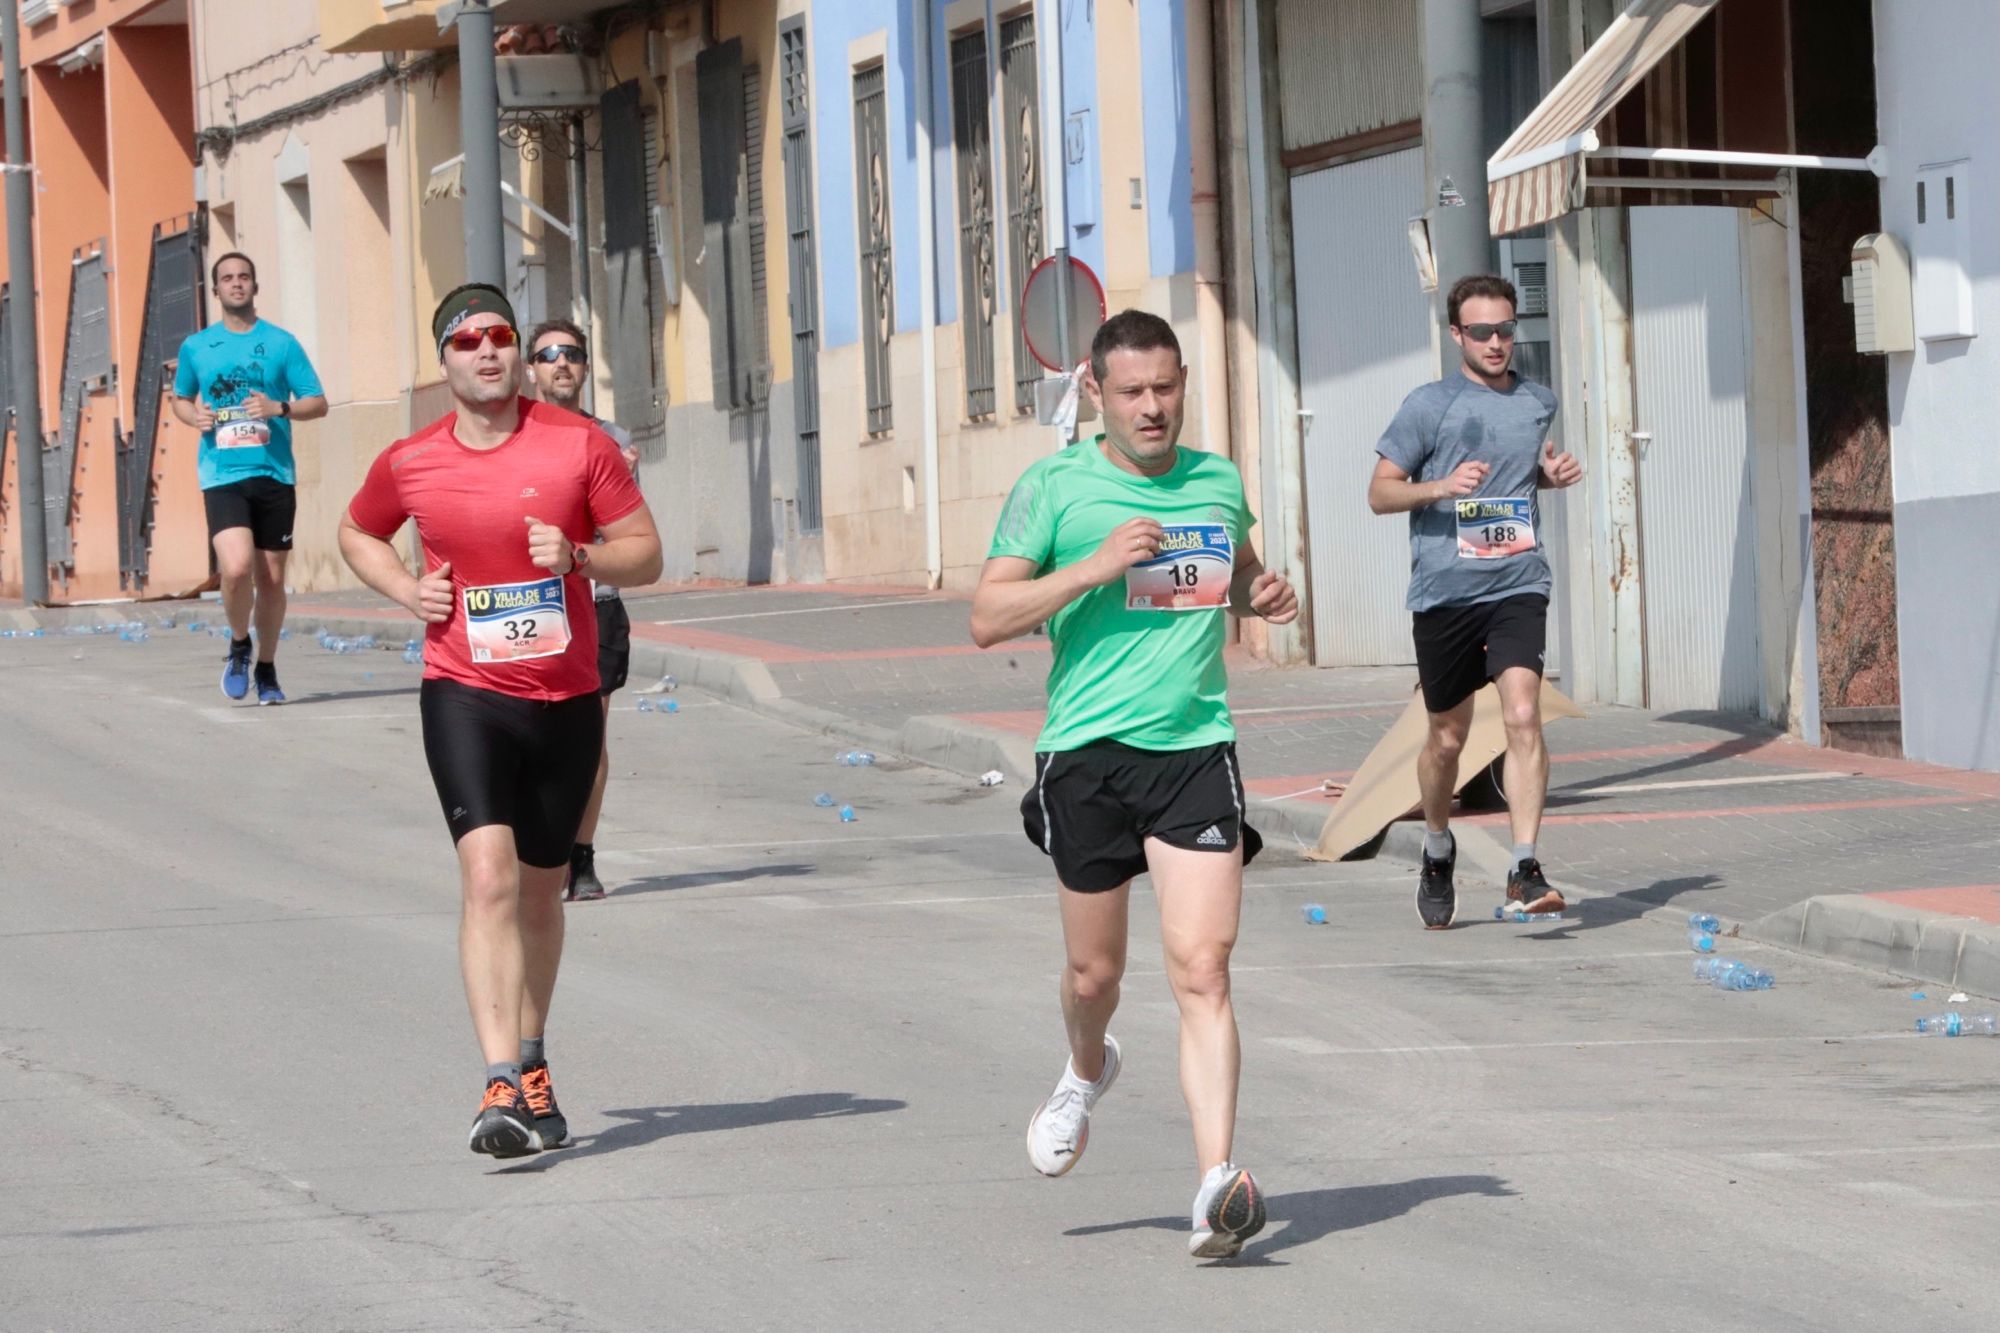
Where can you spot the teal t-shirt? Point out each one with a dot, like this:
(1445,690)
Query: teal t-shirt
(1127,667)
(221,369)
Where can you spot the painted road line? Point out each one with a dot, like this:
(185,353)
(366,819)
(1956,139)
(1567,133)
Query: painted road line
(1692,783)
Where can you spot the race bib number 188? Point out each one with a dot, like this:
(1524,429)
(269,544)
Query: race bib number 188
(1495,529)
(512,622)
(1191,572)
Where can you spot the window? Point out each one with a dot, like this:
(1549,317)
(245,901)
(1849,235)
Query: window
(972,135)
(878,275)
(1021,130)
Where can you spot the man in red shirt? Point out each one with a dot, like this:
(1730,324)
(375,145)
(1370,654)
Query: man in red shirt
(508,495)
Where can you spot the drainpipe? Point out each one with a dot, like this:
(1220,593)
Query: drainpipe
(26,370)
(479,128)
(1454,155)
(927,290)
(1211,329)
(1055,165)
(579,244)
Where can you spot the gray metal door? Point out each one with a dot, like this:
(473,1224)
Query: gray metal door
(804,255)
(173,311)
(1364,343)
(1697,537)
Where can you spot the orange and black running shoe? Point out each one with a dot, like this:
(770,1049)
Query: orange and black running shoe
(505,1126)
(540,1094)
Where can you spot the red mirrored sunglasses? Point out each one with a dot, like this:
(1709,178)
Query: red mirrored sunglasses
(468,340)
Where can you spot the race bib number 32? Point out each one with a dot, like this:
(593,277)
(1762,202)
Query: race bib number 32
(512,622)
(1494,529)
(1191,572)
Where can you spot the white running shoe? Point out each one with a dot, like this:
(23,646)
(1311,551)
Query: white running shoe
(1060,1128)
(1228,1210)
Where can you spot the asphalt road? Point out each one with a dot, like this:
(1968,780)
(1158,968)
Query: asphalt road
(799,1057)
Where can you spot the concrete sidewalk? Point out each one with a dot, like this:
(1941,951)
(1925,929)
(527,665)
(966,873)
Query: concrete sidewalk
(1891,864)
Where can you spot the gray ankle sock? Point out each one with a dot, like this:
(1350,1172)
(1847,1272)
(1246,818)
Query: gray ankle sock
(1438,845)
(1523,851)
(531,1051)
(510,1072)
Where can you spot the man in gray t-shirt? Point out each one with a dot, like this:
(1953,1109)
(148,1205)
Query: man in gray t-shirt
(1465,457)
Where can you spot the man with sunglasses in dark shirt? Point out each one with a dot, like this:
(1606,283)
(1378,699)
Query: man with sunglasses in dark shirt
(1464,458)
(559,359)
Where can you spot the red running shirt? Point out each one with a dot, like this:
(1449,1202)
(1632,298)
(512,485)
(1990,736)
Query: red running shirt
(515,628)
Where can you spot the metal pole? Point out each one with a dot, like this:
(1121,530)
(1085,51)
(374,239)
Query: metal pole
(26,371)
(1055,169)
(1454,152)
(479,128)
(579,245)
(927,293)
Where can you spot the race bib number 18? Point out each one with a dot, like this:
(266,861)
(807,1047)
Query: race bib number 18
(1495,529)
(512,622)
(1191,572)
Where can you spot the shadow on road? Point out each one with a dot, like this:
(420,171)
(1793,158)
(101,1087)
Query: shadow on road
(701,879)
(1609,910)
(1311,1215)
(338,696)
(646,1124)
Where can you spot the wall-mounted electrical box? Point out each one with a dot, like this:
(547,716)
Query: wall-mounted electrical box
(1880,282)
(1942,246)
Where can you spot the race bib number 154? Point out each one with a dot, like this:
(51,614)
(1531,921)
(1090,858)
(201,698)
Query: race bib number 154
(512,622)
(1191,572)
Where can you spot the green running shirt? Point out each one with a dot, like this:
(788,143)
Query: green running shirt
(1153,679)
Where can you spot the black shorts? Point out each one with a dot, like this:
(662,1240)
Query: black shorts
(1460,648)
(527,764)
(614,645)
(264,505)
(1093,809)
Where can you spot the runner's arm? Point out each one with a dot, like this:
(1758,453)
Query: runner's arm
(193,412)
(1390,490)
(626,553)
(1255,591)
(1010,601)
(375,562)
(309,408)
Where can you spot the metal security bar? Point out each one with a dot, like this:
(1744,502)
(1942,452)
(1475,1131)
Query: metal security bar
(753,349)
(1020,129)
(173,311)
(878,274)
(86,369)
(804,284)
(972,135)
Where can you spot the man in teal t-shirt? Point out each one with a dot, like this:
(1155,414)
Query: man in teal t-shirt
(1130,548)
(242,383)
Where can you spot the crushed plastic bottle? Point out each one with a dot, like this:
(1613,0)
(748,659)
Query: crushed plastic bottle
(1314,914)
(856,758)
(645,705)
(1517,915)
(668,685)
(197,626)
(1702,930)
(413,651)
(847,814)
(671,706)
(992,777)
(1729,974)
(824,800)
(1955,1024)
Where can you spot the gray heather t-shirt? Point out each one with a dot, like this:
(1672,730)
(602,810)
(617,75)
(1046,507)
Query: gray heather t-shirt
(621,437)
(1462,553)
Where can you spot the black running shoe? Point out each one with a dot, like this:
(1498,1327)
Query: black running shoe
(1437,898)
(584,885)
(1528,886)
(540,1094)
(505,1126)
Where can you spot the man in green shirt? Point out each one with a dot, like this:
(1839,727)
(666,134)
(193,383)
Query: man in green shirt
(1130,548)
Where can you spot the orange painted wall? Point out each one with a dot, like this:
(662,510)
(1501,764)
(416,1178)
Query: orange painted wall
(149,87)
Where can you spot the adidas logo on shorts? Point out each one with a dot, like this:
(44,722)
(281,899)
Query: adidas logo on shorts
(1211,837)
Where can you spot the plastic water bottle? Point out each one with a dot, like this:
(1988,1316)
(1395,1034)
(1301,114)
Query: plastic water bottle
(824,800)
(847,814)
(668,685)
(645,705)
(284,634)
(1702,929)
(1516,914)
(1729,974)
(671,706)
(856,758)
(1315,914)
(413,651)
(1955,1024)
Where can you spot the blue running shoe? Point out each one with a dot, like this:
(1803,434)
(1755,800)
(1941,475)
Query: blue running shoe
(267,684)
(236,670)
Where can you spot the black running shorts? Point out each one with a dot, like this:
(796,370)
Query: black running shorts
(264,505)
(1460,648)
(614,645)
(1092,809)
(527,764)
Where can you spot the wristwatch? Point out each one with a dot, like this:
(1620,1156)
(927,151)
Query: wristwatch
(579,556)
(285,410)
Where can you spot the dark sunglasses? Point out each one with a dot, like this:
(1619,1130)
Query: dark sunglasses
(468,340)
(569,352)
(1480,333)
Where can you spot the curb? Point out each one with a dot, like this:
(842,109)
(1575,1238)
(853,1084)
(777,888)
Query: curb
(1956,951)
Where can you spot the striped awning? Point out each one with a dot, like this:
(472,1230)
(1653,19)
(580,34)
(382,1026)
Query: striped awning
(1538,173)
